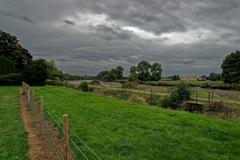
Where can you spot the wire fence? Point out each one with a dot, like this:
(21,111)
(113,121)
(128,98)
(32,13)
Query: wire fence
(59,142)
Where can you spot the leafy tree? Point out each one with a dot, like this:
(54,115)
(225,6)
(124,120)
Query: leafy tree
(214,77)
(175,77)
(119,72)
(6,65)
(13,51)
(133,74)
(35,73)
(143,71)
(156,72)
(113,74)
(231,68)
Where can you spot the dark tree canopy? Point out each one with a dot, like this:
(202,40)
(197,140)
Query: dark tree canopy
(156,72)
(6,65)
(231,68)
(113,74)
(13,51)
(35,73)
(214,77)
(146,72)
(143,71)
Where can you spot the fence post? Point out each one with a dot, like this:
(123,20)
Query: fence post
(65,136)
(41,105)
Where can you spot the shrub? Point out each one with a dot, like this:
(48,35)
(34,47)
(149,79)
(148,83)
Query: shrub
(171,101)
(95,82)
(129,85)
(10,79)
(183,92)
(152,99)
(84,86)
(180,94)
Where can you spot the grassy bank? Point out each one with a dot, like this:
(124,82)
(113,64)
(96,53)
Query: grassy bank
(118,129)
(13,140)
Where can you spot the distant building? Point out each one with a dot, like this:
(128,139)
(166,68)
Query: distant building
(190,78)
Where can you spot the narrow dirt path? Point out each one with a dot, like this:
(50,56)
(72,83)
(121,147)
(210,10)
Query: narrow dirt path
(35,151)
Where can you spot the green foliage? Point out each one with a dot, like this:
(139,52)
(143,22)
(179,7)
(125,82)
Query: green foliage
(152,99)
(171,101)
(113,74)
(84,86)
(214,77)
(35,73)
(118,129)
(176,78)
(133,74)
(13,138)
(6,66)
(145,72)
(178,95)
(231,68)
(183,91)
(156,72)
(10,79)
(13,51)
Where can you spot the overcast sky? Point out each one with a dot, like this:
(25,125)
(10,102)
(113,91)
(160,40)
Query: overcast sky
(87,36)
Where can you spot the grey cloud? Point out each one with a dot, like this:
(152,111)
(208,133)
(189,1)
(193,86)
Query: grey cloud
(105,46)
(69,22)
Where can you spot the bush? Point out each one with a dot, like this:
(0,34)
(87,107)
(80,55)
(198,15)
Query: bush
(152,99)
(84,86)
(180,94)
(183,92)
(129,85)
(10,79)
(95,82)
(171,101)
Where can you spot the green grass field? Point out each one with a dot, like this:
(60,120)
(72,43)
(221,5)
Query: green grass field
(121,130)
(13,139)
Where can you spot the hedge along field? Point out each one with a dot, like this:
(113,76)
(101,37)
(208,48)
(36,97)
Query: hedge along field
(13,139)
(121,130)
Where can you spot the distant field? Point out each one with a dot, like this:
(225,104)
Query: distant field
(13,140)
(121,130)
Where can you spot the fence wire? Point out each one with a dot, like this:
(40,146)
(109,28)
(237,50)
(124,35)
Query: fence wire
(51,129)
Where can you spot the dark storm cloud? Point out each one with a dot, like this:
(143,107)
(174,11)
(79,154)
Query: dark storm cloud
(185,36)
(69,22)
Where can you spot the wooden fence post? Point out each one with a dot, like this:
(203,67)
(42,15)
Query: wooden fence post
(41,105)
(65,136)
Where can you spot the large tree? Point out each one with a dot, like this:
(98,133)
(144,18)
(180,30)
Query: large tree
(156,72)
(143,71)
(35,73)
(6,65)
(146,72)
(13,51)
(231,68)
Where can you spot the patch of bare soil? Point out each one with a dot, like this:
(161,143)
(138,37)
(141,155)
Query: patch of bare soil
(34,139)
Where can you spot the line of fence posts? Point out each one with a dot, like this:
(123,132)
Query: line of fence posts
(210,97)
(37,109)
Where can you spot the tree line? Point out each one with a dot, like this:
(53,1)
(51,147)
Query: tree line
(17,64)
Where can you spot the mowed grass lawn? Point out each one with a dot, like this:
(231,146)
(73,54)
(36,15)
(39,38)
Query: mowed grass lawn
(13,139)
(121,130)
